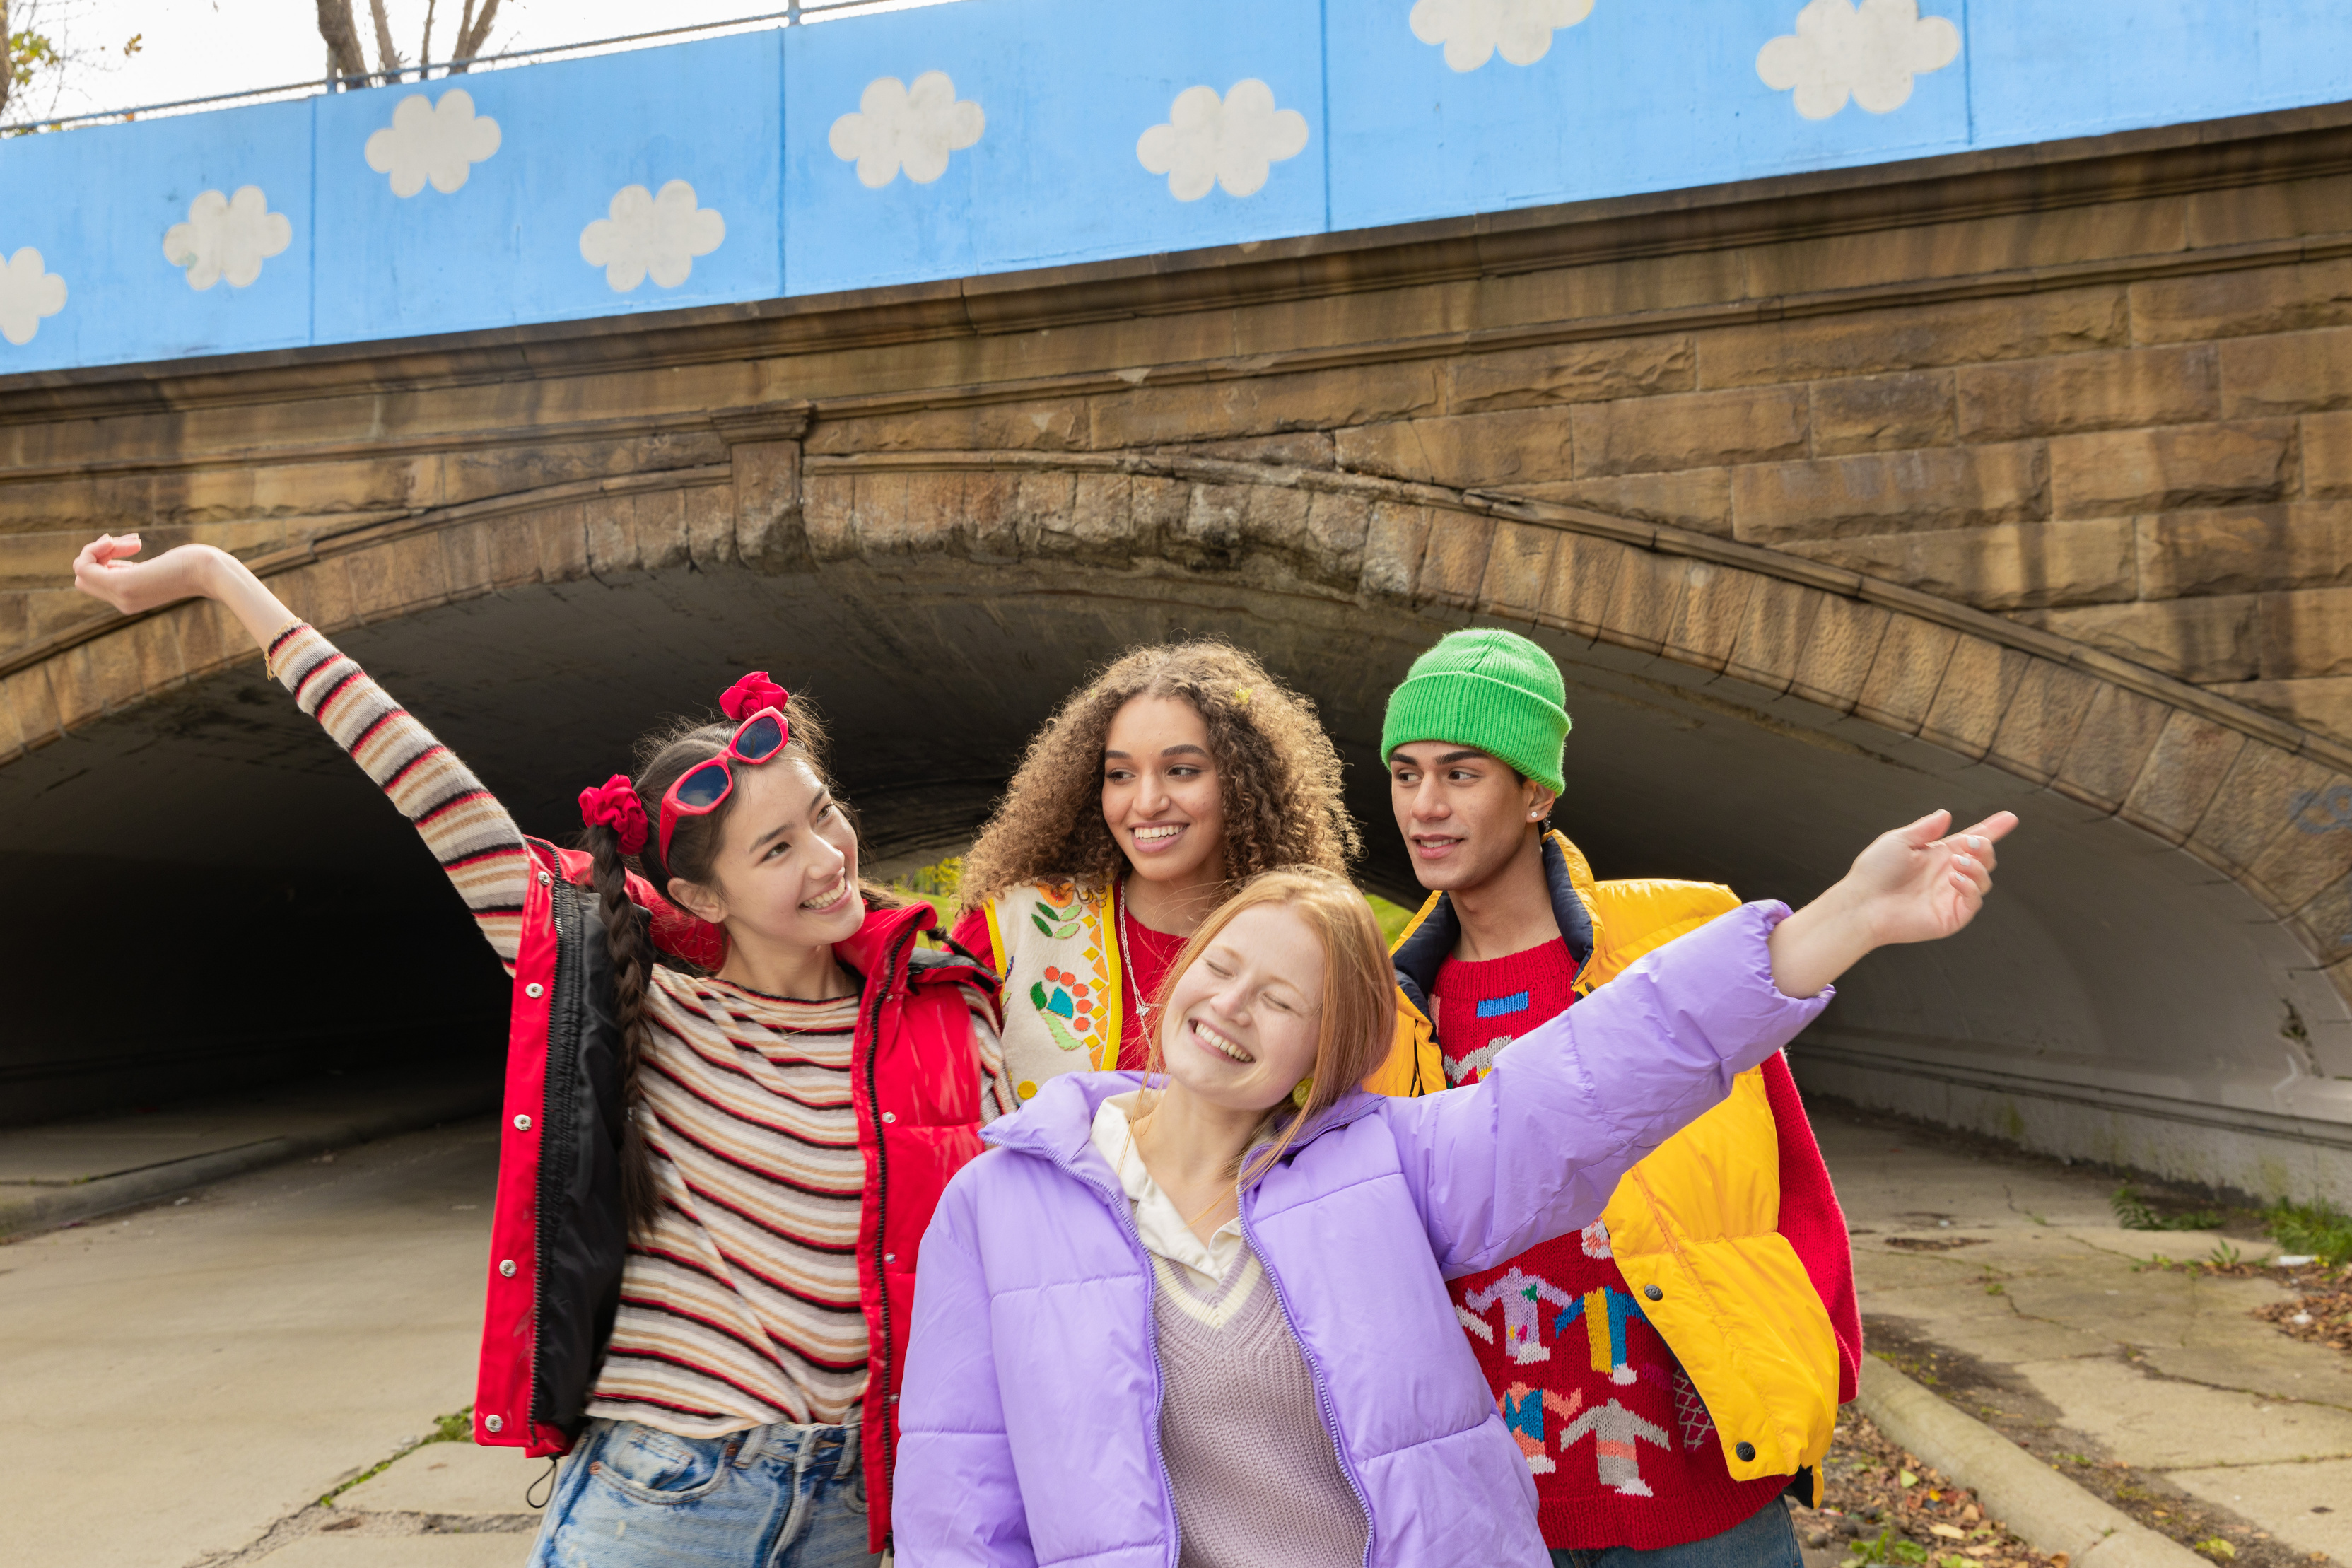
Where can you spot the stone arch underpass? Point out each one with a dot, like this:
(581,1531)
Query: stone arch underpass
(2018,477)
(2153,988)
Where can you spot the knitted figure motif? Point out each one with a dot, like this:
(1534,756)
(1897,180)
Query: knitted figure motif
(1523,1410)
(1520,1292)
(1604,1305)
(1475,1065)
(1690,1411)
(1617,1434)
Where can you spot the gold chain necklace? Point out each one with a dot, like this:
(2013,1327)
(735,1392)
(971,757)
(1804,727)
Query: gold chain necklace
(1127,959)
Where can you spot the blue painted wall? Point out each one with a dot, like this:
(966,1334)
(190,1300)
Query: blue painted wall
(998,134)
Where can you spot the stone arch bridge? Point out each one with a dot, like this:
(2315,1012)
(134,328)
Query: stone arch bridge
(2012,478)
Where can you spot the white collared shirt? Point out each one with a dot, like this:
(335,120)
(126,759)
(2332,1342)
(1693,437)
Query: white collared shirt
(1157,1218)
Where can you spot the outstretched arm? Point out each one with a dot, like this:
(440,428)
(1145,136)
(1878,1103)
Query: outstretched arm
(1534,1148)
(1914,884)
(471,834)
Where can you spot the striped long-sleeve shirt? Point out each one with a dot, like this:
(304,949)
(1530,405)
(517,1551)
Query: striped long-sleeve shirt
(740,1306)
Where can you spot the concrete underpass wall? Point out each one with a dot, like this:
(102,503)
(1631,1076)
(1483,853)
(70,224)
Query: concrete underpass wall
(540,544)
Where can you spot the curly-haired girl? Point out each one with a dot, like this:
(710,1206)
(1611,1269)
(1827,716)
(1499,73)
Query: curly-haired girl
(1176,773)
(713,1175)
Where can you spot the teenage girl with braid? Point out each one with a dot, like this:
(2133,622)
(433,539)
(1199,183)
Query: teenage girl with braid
(1176,774)
(718,1160)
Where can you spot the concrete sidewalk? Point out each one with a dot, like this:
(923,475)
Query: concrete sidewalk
(2006,1282)
(177,1381)
(61,1171)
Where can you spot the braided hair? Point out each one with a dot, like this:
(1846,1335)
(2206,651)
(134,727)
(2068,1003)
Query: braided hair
(664,756)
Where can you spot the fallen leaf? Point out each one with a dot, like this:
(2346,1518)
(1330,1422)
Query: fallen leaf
(1948,1531)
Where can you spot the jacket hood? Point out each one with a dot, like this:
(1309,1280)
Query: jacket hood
(1425,947)
(1058,1124)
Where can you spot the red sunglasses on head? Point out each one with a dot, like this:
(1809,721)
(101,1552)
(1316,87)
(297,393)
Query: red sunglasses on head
(700,790)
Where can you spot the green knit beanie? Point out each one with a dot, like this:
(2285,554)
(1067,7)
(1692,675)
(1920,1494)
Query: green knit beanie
(1491,689)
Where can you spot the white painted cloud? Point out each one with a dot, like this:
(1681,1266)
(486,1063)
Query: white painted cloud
(28,291)
(1472,30)
(437,142)
(1868,52)
(1234,140)
(895,126)
(656,235)
(226,236)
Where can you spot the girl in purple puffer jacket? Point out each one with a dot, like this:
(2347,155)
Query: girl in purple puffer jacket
(1200,1318)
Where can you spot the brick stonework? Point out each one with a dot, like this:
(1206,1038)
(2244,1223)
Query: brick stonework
(2067,488)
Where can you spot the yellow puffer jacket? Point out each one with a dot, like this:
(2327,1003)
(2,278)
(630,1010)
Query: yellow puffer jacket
(1694,1226)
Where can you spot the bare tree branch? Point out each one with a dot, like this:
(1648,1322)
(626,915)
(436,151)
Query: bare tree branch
(386,56)
(473,32)
(7,58)
(335,25)
(425,53)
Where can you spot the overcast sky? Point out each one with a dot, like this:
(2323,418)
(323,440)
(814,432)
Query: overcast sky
(193,48)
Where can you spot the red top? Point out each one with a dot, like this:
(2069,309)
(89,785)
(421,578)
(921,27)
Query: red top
(1620,1444)
(1149,956)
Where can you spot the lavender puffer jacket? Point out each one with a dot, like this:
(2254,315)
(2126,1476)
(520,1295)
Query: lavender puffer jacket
(1030,1420)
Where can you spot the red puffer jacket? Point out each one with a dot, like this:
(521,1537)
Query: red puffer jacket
(558,1239)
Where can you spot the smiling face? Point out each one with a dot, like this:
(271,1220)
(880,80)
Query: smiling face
(1464,814)
(786,871)
(1245,1020)
(1160,794)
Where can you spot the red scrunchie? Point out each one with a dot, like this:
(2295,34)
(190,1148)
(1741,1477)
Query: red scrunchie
(615,804)
(751,694)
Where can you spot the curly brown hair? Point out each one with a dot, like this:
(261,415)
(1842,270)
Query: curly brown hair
(1277,776)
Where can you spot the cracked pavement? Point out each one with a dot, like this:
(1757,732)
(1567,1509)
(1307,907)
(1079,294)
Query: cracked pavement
(180,1383)
(2015,1269)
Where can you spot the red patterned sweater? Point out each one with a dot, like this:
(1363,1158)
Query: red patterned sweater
(1620,1444)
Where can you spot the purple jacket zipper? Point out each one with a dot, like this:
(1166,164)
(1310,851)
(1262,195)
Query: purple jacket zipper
(1314,1370)
(1117,1204)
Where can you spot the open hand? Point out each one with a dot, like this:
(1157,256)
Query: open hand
(1914,884)
(1918,883)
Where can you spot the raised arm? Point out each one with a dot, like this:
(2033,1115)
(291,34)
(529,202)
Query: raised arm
(471,834)
(1536,1147)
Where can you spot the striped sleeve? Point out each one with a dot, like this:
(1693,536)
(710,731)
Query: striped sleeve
(467,830)
(996,1093)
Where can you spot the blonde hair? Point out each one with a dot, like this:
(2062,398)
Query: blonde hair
(1277,776)
(1357,1020)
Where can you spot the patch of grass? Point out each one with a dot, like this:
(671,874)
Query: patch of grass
(2219,1550)
(938,881)
(2319,1229)
(2132,1212)
(1393,917)
(1885,1548)
(458,1427)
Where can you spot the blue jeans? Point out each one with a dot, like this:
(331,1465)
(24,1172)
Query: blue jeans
(1767,1540)
(774,1497)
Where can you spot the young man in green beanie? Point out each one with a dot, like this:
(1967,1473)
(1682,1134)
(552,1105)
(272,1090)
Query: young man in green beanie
(1670,1372)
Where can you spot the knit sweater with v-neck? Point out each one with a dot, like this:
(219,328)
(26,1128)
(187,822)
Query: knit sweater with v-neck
(1252,1468)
